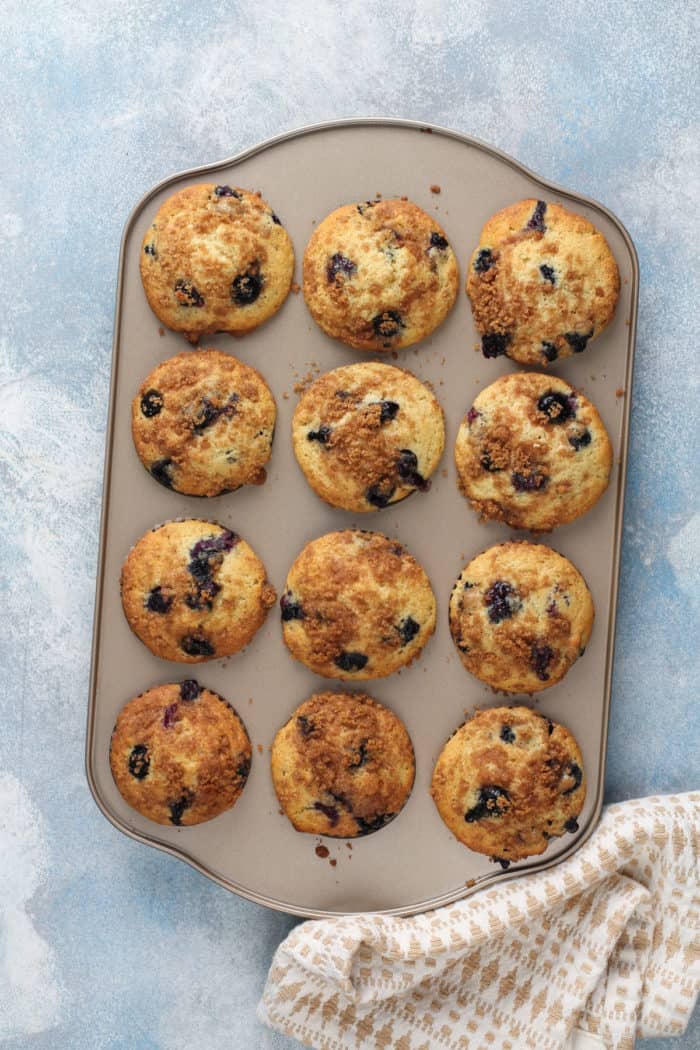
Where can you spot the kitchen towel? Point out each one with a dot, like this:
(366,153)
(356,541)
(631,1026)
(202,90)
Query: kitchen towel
(596,951)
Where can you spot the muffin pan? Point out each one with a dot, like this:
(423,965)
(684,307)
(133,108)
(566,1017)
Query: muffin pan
(414,864)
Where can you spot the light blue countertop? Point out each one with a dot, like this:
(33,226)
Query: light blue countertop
(105,943)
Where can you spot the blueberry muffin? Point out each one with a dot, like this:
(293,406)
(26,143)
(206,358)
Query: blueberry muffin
(343,765)
(520,616)
(532,452)
(203,422)
(368,435)
(193,590)
(542,283)
(179,754)
(356,605)
(508,781)
(216,259)
(379,275)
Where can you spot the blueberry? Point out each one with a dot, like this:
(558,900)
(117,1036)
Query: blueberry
(438,241)
(291,609)
(541,657)
(207,549)
(350,661)
(484,260)
(407,467)
(502,601)
(548,273)
(487,463)
(321,435)
(507,735)
(339,266)
(388,324)
(573,770)
(549,351)
(306,726)
(169,719)
(226,191)
(243,769)
(178,807)
(162,470)
(494,344)
(388,411)
(189,689)
(203,597)
(139,762)
(536,220)
(578,441)
(187,295)
(151,403)
(366,827)
(472,414)
(150,249)
(493,801)
(328,811)
(532,482)
(362,208)
(577,341)
(361,756)
(571,825)
(556,407)
(408,629)
(158,602)
(276,219)
(550,727)
(505,864)
(195,645)
(246,287)
(206,414)
(379,495)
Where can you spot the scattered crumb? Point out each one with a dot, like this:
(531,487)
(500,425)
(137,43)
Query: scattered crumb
(593,378)
(628,322)
(250,699)
(333,862)
(477,347)
(322,852)
(260,749)
(296,288)
(349,845)
(378,196)
(403,197)
(285,395)
(435,188)
(427,131)
(626,280)
(443,472)
(442,360)
(469,883)
(161,331)
(258,193)
(620,392)
(395,355)
(281,812)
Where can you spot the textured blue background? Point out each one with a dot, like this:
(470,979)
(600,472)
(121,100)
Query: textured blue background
(103,942)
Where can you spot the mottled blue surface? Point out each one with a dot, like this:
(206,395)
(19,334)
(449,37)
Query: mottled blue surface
(103,942)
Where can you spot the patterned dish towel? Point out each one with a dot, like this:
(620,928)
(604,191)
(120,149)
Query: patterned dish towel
(606,943)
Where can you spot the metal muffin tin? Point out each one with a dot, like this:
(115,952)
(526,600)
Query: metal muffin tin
(414,864)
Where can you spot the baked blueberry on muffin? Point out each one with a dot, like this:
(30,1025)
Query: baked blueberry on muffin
(193,590)
(542,283)
(508,781)
(520,616)
(343,765)
(356,606)
(532,452)
(379,275)
(368,435)
(180,754)
(202,423)
(216,259)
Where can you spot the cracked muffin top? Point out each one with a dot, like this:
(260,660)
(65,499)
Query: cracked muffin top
(368,435)
(193,590)
(342,765)
(542,283)
(202,423)
(532,452)
(180,754)
(520,616)
(215,259)
(356,606)
(508,781)
(379,275)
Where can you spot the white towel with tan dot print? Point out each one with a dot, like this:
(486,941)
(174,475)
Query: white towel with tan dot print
(598,951)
